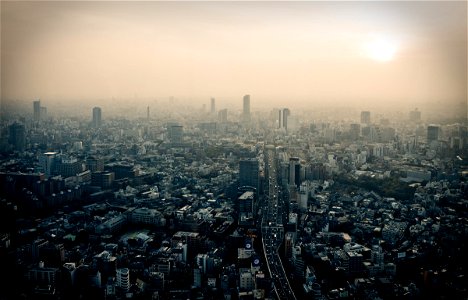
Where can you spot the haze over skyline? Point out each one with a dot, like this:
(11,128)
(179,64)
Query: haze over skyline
(296,53)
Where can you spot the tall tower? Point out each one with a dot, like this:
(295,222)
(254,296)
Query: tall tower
(432,133)
(222,115)
(97,117)
(365,117)
(147,113)
(37,110)
(246,109)
(17,136)
(123,278)
(213,106)
(249,173)
(294,171)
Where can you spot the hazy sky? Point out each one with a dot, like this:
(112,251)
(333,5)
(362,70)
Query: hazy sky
(396,51)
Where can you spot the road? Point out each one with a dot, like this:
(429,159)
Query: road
(272,230)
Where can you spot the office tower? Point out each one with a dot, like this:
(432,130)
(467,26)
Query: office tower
(213,107)
(432,133)
(415,115)
(176,133)
(246,109)
(283,115)
(355,131)
(294,171)
(246,208)
(288,244)
(97,117)
(37,110)
(123,278)
(365,117)
(249,173)
(17,136)
(222,115)
(147,113)
(47,162)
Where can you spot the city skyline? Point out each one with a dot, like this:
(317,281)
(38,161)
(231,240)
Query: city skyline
(302,53)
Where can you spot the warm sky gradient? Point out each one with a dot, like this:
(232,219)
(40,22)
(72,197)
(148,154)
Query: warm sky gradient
(395,51)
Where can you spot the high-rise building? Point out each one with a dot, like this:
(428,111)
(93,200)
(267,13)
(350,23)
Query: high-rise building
(213,106)
(283,115)
(123,278)
(249,173)
(365,117)
(147,113)
(246,204)
(17,136)
(37,110)
(222,115)
(432,133)
(294,171)
(246,109)
(355,131)
(97,117)
(47,161)
(175,133)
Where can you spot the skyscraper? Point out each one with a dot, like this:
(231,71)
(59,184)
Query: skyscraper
(17,136)
(365,117)
(47,162)
(147,113)
(97,117)
(283,115)
(213,106)
(432,133)
(246,109)
(176,134)
(37,110)
(249,172)
(222,115)
(294,171)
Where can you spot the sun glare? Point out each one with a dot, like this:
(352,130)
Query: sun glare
(380,49)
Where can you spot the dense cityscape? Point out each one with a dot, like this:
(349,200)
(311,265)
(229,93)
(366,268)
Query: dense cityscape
(208,203)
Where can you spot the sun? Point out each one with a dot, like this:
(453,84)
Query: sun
(380,49)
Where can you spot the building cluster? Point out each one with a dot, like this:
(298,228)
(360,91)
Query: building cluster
(170,208)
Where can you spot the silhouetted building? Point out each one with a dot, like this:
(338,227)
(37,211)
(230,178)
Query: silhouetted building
(246,208)
(213,106)
(355,131)
(37,110)
(222,115)
(249,173)
(283,115)
(294,171)
(246,109)
(432,133)
(97,117)
(17,136)
(47,161)
(365,117)
(176,134)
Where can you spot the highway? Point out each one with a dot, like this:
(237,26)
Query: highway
(272,230)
